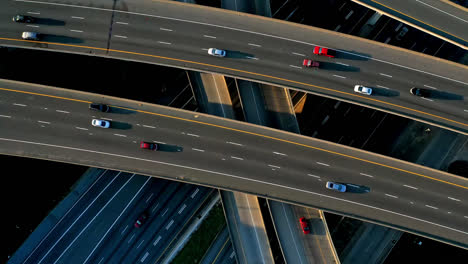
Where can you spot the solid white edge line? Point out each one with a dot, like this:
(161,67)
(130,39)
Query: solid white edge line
(386,75)
(324,164)
(339,76)
(201,150)
(238,177)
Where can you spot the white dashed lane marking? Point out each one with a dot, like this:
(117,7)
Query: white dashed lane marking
(201,150)
(299,54)
(367,175)
(453,199)
(386,75)
(165,29)
(389,195)
(43,122)
(324,164)
(339,76)
(122,23)
(255,45)
(279,153)
(61,111)
(5,116)
(233,157)
(431,207)
(315,176)
(76,17)
(408,186)
(82,128)
(19,104)
(119,36)
(208,36)
(233,143)
(294,66)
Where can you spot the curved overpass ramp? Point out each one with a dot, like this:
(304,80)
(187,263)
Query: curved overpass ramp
(55,124)
(258,48)
(441,18)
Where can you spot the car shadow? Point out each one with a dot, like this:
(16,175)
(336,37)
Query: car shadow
(352,55)
(118,110)
(60,39)
(337,67)
(445,95)
(120,125)
(169,148)
(354,188)
(384,92)
(238,55)
(49,22)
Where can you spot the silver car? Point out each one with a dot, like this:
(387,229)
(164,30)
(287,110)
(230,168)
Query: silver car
(362,89)
(336,186)
(217,52)
(30,35)
(100,123)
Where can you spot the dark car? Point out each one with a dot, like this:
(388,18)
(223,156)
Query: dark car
(23,19)
(141,220)
(324,52)
(148,145)
(99,107)
(420,92)
(304,225)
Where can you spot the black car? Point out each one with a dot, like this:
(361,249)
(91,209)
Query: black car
(420,92)
(99,107)
(23,19)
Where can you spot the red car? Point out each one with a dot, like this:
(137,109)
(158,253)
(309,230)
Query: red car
(148,145)
(141,220)
(304,225)
(324,52)
(310,63)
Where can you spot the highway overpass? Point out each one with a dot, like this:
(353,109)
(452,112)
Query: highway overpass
(258,49)
(55,124)
(441,18)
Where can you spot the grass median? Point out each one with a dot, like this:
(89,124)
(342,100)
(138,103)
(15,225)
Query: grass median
(202,238)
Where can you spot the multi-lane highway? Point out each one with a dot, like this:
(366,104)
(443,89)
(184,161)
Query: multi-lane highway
(441,18)
(258,48)
(99,228)
(55,124)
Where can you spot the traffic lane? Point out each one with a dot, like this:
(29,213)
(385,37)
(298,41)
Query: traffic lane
(86,26)
(143,238)
(267,27)
(189,135)
(307,197)
(101,184)
(296,165)
(60,241)
(183,214)
(193,133)
(264,48)
(436,16)
(292,74)
(124,235)
(96,228)
(123,226)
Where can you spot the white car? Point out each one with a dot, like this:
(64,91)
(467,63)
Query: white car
(336,186)
(217,52)
(362,89)
(30,35)
(100,123)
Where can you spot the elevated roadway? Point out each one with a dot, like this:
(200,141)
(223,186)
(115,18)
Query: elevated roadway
(441,18)
(55,124)
(258,48)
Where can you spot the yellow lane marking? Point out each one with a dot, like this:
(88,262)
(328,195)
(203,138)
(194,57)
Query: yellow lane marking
(252,73)
(427,24)
(251,133)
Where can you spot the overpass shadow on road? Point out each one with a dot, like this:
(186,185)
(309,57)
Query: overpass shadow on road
(118,110)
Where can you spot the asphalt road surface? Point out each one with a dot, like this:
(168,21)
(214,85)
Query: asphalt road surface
(441,18)
(55,124)
(99,228)
(259,49)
